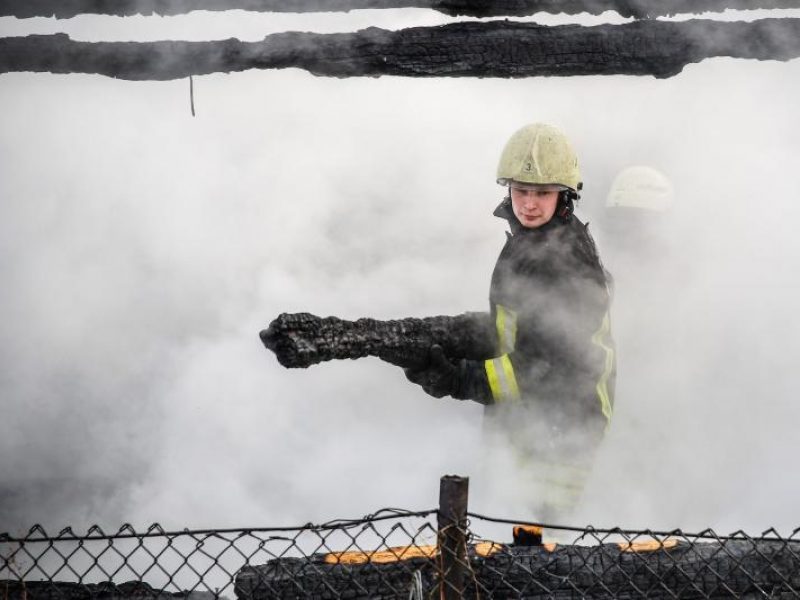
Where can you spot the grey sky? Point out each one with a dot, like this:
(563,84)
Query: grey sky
(142,250)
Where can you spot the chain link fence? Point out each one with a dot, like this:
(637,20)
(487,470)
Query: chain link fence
(442,553)
(619,563)
(275,562)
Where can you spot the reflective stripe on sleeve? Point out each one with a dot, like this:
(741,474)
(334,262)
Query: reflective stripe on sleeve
(502,381)
(506,323)
(600,339)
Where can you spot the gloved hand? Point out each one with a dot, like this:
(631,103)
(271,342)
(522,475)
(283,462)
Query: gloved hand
(439,378)
(295,339)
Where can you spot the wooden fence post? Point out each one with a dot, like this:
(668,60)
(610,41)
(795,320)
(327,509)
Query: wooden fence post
(452,537)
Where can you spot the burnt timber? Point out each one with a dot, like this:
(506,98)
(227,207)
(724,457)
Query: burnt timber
(723,569)
(63,590)
(64,9)
(300,340)
(475,49)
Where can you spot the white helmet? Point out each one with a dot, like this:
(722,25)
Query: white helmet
(641,187)
(539,154)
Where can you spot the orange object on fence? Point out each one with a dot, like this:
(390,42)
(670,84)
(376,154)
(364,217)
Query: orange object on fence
(650,546)
(389,555)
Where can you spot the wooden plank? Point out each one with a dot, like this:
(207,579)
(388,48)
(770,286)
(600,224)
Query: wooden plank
(490,49)
(65,9)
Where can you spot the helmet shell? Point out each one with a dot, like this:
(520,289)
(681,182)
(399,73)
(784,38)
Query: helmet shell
(539,154)
(640,187)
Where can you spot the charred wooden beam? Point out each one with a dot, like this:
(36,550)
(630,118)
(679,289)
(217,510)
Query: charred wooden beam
(14,589)
(300,340)
(668,569)
(64,9)
(493,49)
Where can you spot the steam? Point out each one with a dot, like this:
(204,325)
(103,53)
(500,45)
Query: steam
(142,250)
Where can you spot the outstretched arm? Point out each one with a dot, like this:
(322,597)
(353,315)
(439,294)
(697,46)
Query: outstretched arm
(300,340)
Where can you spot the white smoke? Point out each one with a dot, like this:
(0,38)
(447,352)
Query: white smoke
(144,249)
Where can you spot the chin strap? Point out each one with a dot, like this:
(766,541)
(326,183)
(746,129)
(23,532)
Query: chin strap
(566,203)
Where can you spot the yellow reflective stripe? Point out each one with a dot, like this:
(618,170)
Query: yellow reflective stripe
(494,383)
(558,485)
(502,381)
(599,339)
(506,323)
(570,474)
(500,323)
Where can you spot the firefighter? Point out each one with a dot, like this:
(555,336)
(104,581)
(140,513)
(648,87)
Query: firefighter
(637,218)
(548,387)
(638,232)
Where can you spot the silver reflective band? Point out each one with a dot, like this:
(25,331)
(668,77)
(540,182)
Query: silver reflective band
(502,381)
(506,324)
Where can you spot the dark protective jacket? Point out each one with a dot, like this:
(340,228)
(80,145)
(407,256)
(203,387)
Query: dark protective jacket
(550,301)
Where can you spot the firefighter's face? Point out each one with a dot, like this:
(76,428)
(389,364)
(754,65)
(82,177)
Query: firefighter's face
(534,206)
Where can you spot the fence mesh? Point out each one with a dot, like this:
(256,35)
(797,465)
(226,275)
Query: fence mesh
(396,554)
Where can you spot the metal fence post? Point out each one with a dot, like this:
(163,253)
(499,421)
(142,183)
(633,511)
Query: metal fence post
(452,537)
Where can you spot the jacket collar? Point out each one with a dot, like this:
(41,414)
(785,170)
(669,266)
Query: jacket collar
(504,211)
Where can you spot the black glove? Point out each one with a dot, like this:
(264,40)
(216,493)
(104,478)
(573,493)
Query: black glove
(295,339)
(439,378)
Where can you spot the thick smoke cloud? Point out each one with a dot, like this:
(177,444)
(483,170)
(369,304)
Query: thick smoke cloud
(142,250)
